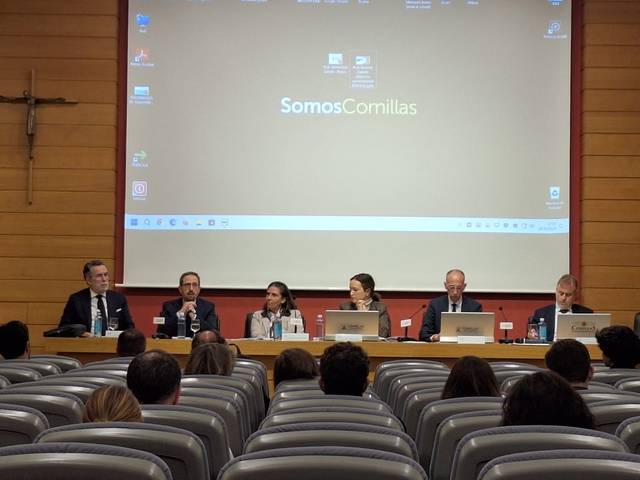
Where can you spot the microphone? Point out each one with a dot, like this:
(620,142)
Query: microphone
(506,326)
(406,337)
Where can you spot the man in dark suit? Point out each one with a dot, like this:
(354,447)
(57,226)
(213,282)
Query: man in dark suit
(188,306)
(453,301)
(83,306)
(566,293)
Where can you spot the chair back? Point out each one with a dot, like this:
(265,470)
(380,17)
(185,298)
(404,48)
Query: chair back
(44,368)
(609,415)
(65,363)
(82,392)
(591,397)
(383,385)
(629,432)
(407,387)
(20,424)
(4,382)
(59,408)
(628,385)
(414,405)
(233,395)
(320,399)
(299,384)
(95,377)
(614,375)
(18,374)
(333,414)
(411,378)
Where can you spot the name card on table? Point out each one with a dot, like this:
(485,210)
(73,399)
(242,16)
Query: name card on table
(348,337)
(295,337)
(471,339)
(112,333)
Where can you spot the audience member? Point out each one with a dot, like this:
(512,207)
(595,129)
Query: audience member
(294,364)
(154,377)
(210,359)
(545,398)
(620,346)
(112,403)
(453,301)
(131,343)
(364,297)
(14,340)
(207,336)
(471,377)
(344,368)
(570,359)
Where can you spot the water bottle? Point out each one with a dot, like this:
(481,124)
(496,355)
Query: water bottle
(182,325)
(320,327)
(277,328)
(97,324)
(542,330)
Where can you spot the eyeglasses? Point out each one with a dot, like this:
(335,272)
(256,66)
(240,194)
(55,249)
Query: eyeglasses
(193,285)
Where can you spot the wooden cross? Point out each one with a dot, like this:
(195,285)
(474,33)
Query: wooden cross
(28,97)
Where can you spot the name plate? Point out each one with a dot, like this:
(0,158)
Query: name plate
(348,337)
(471,339)
(112,333)
(158,320)
(295,337)
(405,323)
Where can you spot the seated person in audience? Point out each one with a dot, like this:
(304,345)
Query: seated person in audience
(130,343)
(294,364)
(453,301)
(278,303)
(210,359)
(154,378)
(570,359)
(363,297)
(188,306)
(545,398)
(566,293)
(14,340)
(207,336)
(471,377)
(112,403)
(344,368)
(83,306)
(620,347)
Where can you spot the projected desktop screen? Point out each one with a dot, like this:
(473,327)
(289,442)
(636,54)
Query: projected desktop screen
(307,141)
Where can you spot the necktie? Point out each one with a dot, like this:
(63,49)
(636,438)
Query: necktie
(103,313)
(453,307)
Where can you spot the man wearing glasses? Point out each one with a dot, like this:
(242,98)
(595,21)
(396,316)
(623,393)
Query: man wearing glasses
(190,306)
(453,301)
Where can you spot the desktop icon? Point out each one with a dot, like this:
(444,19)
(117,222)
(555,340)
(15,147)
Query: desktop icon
(134,222)
(141,90)
(335,59)
(172,222)
(554,192)
(553,27)
(362,60)
(143,20)
(139,189)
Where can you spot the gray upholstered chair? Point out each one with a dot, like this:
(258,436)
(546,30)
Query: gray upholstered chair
(591,397)
(629,432)
(334,414)
(207,425)
(449,434)
(180,449)
(65,363)
(320,399)
(93,376)
(59,408)
(82,392)
(436,412)
(126,360)
(19,424)
(79,461)
(320,463)
(511,365)
(414,405)
(4,382)
(17,374)
(252,375)
(398,382)
(563,465)
(43,367)
(628,385)
(608,415)
(384,379)
(332,434)
(502,375)
(103,366)
(116,370)
(614,375)
(300,384)
(258,367)
(479,447)
(404,363)
(408,386)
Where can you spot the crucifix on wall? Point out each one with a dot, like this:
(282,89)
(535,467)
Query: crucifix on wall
(29,98)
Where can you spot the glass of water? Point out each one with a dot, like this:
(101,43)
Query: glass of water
(112,323)
(195,324)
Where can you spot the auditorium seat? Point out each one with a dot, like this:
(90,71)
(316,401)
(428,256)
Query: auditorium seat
(105,367)
(509,365)
(252,374)
(608,415)
(414,405)
(78,461)
(614,375)
(382,381)
(59,408)
(95,377)
(207,425)
(290,394)
(17,374)
(65,363)
(629,432)
(628,385)
(320,463)
(591,397)
(20,424)
(82,392)
(436,412)
(121,360)
(4,382)
(180,449)
(299,384)
(563,465)
(449,433)
(502,375)
(404,385)
(332,434)
(478,448)
(117,371)
(508,383)
(42,367)
(320,399)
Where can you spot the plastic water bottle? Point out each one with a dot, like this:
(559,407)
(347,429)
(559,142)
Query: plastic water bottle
(320,327)
(182,326)
(97,325)
(542,330)
(277,328)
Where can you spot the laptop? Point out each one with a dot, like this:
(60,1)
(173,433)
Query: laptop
(351,322)
(466,324)
(581,326)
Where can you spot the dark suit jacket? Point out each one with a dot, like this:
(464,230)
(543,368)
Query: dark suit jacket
(78,310)
(431,318)
(548,312)
(206,312)
(384,322)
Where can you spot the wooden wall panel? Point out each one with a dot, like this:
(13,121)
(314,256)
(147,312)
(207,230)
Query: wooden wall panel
(80,158)
(611,78)
(58,25)
(60,7)
(611,122)
(611,210)
(45,179)
(610,254)
(22,46)
(56,224)
(611,188)
(50,246)
(59,202)
(59,69)
(610,166)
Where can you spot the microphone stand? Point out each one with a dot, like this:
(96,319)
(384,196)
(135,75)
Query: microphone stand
(406,337)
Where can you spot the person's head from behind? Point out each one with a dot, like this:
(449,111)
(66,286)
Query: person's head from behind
(14,340)
(207,336)
(210,359)
(112,403)
(131,342)
(545,398)
(570,359)
(471,377)
(362,288)
(620,346)
(294,364)
(344,368)
(154,377)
